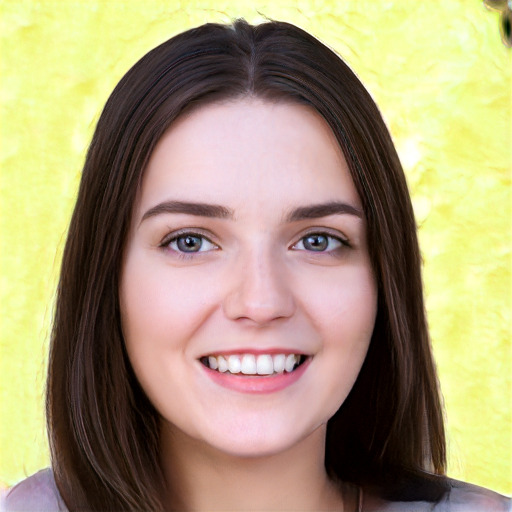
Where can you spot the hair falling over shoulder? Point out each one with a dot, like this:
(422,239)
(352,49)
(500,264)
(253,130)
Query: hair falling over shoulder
(104,432)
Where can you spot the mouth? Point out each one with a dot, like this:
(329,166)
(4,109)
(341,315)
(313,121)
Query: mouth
(265,365)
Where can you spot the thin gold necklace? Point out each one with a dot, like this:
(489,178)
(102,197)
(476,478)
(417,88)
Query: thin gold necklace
(360,500)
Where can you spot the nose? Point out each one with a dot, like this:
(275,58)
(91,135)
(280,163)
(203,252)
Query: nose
(259,291)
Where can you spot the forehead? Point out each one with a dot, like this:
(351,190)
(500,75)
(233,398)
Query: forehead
(248,153)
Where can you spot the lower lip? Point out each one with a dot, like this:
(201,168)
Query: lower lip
(257,384)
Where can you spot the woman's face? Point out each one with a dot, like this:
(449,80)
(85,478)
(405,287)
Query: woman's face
(247,296)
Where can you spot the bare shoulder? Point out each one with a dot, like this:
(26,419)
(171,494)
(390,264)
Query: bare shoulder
(464,497)
(36,493)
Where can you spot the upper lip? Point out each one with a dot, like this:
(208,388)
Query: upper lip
(255,351)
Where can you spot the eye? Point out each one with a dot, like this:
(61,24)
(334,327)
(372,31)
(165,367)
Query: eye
(189,243)
(319,242)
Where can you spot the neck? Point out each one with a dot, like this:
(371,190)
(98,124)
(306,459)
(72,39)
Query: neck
(202,478)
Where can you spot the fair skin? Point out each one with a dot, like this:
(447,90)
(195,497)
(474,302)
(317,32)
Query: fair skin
(259,278)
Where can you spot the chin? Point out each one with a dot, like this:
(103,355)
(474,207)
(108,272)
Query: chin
(253,448)
(260,440)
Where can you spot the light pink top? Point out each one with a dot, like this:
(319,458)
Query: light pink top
(39,493)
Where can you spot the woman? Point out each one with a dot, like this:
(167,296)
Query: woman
(240,321)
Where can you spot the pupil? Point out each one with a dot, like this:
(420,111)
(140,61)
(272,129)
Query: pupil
(316,243)
(189,243)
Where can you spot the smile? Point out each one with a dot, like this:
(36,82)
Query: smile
(251,364)
(255,373)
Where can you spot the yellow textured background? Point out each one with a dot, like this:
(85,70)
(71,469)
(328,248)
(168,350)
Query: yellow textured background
(442,78)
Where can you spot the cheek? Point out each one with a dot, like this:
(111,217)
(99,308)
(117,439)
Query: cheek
(160,311)
(344,314)
(159,305)
(344,305)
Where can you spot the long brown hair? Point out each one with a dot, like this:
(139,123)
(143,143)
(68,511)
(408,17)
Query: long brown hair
(104,432)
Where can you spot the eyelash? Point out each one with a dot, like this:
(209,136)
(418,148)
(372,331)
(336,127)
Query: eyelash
(343,242)
(173,237)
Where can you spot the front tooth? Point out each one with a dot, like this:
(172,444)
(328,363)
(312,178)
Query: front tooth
(264,364)
(248,366)
(223,364)
(234,364)
(289,364)
(279,362)
(212,362)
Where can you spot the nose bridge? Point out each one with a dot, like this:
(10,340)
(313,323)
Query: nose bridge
(259,290)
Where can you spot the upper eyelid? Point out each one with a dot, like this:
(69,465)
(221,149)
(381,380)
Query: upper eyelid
(169,237)
(208,235)
(333,233)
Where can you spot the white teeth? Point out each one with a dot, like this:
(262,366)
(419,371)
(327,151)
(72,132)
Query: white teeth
(264,364)
(234,364)
(290,362)
(279,360)
(249,364)
(223,364)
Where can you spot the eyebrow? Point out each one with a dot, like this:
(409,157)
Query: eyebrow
(221,212)
(316,211)
(199,209)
